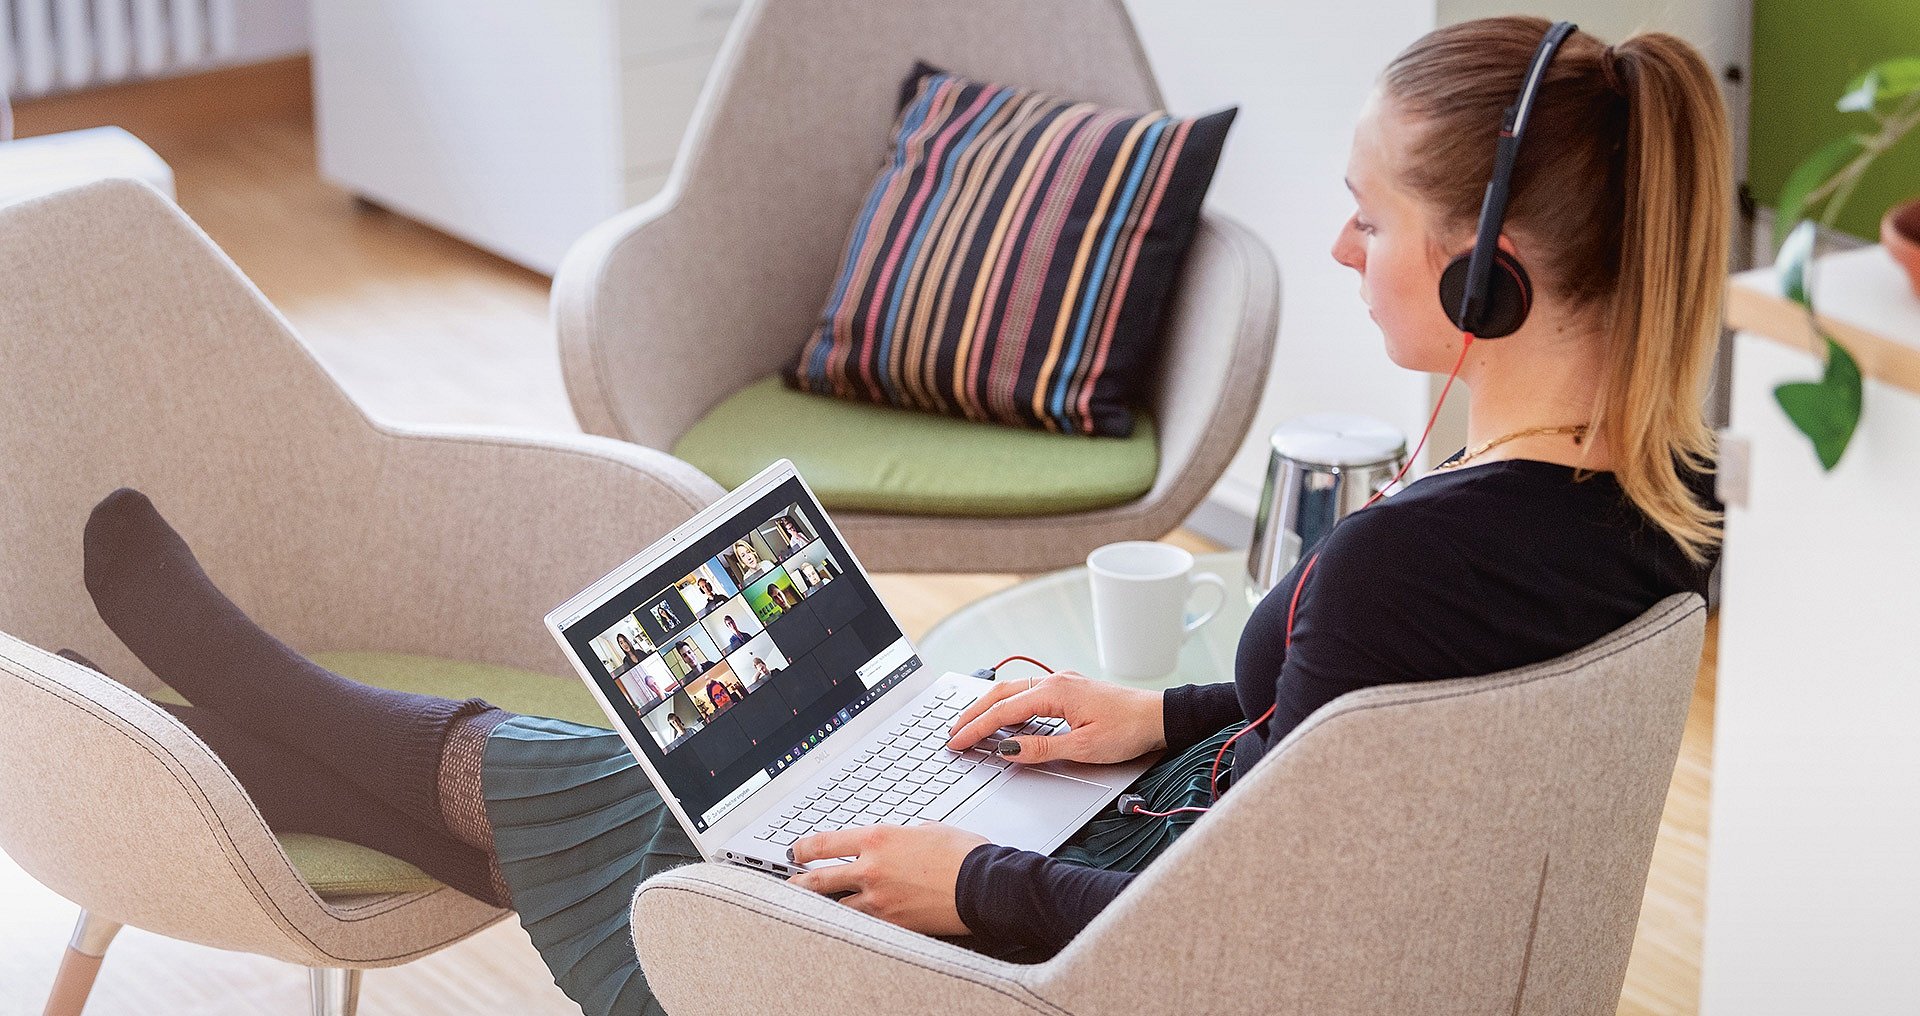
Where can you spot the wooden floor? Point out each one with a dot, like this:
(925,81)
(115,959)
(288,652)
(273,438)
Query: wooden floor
(419,327)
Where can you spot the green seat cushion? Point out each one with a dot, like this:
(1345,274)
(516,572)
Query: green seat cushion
(517,691)
(337,868)
(860,456)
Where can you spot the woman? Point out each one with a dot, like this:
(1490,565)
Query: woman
(629,656)
(718,694)
(749,561)
(1532,545)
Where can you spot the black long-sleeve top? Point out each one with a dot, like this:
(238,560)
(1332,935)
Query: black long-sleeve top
(1467,571)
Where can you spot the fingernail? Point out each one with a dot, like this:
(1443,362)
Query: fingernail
(789,853)
(1008,747)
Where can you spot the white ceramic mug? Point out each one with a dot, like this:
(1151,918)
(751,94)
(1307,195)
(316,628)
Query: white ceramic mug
(1140,594)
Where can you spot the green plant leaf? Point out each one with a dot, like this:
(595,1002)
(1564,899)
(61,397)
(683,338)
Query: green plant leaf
(1796,253)
(1827,410)
(1817,169)
(1888,79)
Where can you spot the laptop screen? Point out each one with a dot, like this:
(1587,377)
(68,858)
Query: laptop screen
(743,651)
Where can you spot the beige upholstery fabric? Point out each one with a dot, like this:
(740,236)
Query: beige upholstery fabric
(665,310)
(1471,846)
(136,354)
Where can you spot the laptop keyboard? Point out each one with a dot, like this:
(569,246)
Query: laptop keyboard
(907,775)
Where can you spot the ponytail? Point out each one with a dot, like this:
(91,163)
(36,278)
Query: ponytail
(1678,200)
(1632,224)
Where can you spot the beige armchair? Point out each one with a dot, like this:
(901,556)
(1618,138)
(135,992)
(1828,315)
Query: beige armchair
(1471,846)
(665,311)
(135,354)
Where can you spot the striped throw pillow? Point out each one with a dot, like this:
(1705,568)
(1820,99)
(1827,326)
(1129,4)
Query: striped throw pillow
(1013,260)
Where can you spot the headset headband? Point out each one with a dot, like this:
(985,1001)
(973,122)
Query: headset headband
(1493,208)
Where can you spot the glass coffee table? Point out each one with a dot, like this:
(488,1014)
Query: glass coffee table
(1050,618)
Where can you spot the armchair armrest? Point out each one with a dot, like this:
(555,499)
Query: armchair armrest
(114,804)
(1211,371)
(668,308)
(807,954)
(467,538)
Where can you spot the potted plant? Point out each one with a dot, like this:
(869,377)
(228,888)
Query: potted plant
(1900,234)
(1827,410)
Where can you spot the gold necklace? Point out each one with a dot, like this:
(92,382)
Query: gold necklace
(1578,430)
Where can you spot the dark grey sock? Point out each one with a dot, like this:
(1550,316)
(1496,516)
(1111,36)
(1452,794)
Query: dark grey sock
(297,793)
(151,591)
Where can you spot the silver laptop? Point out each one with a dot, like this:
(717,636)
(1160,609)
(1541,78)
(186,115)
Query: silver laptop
(768,692)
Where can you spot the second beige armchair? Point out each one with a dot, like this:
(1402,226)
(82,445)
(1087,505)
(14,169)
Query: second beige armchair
(1471,846)
(134,353)
(668,310)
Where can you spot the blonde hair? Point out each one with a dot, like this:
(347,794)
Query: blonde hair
(1631,218)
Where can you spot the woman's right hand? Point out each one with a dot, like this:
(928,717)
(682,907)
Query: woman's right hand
(1106,722)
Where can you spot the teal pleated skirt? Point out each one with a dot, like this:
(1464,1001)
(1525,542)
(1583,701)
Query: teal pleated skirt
(578,826)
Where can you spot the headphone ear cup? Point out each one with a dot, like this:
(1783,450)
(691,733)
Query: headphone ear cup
(1509,295)
(1453,289)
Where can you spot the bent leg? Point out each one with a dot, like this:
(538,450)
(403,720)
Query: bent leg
(151,591)
(297,793)
(579,826)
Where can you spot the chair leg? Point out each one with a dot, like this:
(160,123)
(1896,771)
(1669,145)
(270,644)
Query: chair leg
(335,992)
(80,965)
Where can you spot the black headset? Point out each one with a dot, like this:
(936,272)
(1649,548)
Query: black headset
(1477,298)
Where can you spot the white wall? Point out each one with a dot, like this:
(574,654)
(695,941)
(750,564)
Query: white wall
(270,29)
(1299,74)
(1722,29)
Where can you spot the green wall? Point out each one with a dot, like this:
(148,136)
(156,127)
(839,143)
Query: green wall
(1804,53)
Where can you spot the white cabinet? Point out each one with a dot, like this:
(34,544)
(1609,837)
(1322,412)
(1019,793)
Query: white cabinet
(513,125)
(1813,896)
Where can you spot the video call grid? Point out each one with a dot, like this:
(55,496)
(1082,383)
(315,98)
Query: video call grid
(702,645)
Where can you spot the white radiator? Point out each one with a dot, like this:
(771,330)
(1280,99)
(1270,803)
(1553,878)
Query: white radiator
(51,46)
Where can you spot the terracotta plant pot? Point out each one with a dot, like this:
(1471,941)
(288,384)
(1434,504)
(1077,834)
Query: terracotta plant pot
(1900,233)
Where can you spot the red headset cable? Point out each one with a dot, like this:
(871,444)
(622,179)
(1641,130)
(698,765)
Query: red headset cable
(1213,780)
(996,667)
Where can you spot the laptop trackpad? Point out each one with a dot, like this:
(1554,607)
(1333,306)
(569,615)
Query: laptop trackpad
(1032,809)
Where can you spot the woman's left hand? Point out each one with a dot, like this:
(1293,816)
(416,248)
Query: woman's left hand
(904,875)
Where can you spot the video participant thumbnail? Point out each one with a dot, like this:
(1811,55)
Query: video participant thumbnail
(758,660)
(663,615)
(772,596)
(623,646)
(716,691)
(750,558)
(690,654)
(646,685)
(812,566)
(707,587)
(672,722)
(733,625)
(788,531)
